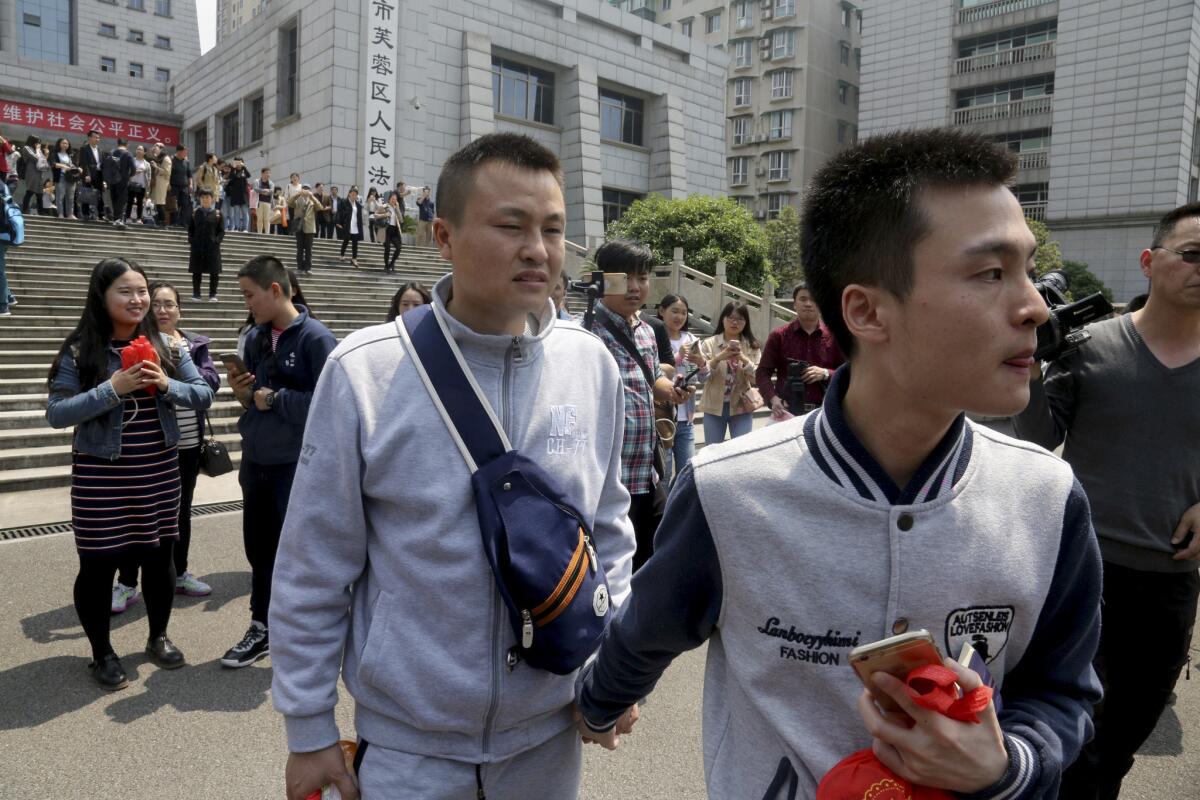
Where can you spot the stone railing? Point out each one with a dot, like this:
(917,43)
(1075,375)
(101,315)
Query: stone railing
(1004,58)
(1034,210)
(1033,159)
(989,10)
(1013,108)
(708,294)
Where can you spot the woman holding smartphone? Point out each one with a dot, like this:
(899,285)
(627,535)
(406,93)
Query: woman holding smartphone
(167,309)
(125,471)
(732,355)
(691,372)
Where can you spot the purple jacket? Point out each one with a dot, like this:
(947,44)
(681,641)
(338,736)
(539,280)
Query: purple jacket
(198,347)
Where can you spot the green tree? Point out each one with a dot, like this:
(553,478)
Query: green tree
(709,229)
(783,243)
(1049,254)
(1083,281)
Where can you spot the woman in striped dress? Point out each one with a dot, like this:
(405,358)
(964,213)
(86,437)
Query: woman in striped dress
(125,469)
(165,303)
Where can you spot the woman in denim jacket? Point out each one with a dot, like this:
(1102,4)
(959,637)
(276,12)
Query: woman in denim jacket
(125,486)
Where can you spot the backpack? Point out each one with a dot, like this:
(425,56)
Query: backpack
(539,547)
(12,221)
(110,169)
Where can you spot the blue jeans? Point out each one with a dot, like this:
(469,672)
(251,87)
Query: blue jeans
(6,297)
(238,219)
(715,425)
(683,449)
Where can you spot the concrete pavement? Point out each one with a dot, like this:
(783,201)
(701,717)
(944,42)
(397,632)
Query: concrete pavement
(205,732)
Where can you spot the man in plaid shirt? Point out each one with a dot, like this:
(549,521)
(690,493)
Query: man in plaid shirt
(617,321)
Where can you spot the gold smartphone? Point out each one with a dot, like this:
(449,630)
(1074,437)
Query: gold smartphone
(897,656)
(233,363)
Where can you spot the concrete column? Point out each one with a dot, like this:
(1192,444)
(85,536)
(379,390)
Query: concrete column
(8,27)
(668,163)
(476,115)
(580,155)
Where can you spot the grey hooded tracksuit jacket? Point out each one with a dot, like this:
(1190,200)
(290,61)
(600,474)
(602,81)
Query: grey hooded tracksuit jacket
(381,573)
(991,543)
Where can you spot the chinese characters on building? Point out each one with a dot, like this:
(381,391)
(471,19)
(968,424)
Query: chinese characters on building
(379,99)
(13,113)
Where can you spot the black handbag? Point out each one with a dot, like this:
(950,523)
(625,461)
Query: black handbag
(214,458)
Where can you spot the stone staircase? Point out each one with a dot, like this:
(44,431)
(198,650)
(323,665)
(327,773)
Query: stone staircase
(49,276)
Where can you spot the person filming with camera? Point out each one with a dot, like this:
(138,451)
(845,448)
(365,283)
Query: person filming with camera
(1128,396)
(798,359)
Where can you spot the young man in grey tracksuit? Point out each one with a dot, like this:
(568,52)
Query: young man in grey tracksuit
(883,511)
(382,505)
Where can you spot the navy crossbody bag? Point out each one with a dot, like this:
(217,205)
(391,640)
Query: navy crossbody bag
(539,547)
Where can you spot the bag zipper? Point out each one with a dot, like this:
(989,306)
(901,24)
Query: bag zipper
(563,594)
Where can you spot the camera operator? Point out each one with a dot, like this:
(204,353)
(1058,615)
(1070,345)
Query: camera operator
(1128,397)
(799,358)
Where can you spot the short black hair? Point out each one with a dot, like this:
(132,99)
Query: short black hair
(1166,225)
(862,215)
(264,169)
(800,287)
(624,255)
(179,148)
(122,143)
(265,270)
(204,193)
(458,173)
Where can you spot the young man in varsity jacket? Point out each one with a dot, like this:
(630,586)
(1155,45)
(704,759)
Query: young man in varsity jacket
(883,511)
(383,504)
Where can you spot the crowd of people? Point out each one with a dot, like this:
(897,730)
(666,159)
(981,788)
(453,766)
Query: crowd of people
(872,506)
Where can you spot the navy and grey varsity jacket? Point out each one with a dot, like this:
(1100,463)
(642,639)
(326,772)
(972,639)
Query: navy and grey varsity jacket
(991,542)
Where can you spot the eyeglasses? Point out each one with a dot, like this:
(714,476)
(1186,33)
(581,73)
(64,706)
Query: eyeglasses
(1188,256)
(168,306)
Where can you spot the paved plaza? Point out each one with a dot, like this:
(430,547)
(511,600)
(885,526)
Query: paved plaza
(206,732)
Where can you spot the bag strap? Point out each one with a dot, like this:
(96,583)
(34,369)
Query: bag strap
(451,386)
(623,339)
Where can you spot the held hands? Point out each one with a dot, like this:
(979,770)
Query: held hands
(308,772)
(1189,522)
(610,739)
(138,376)
(931,749)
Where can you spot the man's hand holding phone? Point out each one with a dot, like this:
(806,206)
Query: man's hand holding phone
(929,748)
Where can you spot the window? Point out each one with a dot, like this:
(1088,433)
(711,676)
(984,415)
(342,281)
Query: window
(1028,141)
(741,130)
(162,75)
(779,125)
(108,30)
(783,44)
(200,142)
(522,92)
(843,93)
(32,19)
(712,23)
(785,8)
(46,30)
(1193,189)
(1009,91)
(136,70)
(775,203)
(163,42)
(1009,39)
(229,131)
(745,202)
(108,64)
(844,52)
(779,166)
(137,5)
(741,91)
(137,37)
(162,8)
(621,117)
(256,119)
(781,84)
(616,203)
(743,12)
(843,132)
(666,5)
(739,168)
(845,17)
(685,27)
(289,55)
(858,16)
(858,57)
(743,53)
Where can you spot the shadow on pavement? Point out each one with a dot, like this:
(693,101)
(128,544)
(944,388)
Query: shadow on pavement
(62,624)
(196,687)
(40,691)
(1167,738)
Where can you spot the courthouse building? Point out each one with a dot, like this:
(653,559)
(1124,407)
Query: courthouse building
(1098,98)
(369,92)
(67,66)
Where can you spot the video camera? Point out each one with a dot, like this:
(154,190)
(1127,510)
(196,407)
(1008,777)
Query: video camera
(594,285)
(795,378)
(1063,333)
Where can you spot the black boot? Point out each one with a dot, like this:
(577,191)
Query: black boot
(163,652)
(109,673)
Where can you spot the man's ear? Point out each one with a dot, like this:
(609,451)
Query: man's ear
(866,311)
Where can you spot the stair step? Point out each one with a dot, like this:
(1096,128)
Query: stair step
(22,412)
(18,480)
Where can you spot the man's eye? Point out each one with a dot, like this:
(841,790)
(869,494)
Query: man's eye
(993,274)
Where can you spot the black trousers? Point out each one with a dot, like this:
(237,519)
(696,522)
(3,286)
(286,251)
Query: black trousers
(391,248)
(93,592)
(265,490)
(136,200)
(183,199)
(213,279)
(1146,630)
(189,471)
(304,250)
(119,192)
(354,249)
(324,230)
(645,512)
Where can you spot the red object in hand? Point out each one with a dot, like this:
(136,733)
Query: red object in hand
(136,352)
(862,776)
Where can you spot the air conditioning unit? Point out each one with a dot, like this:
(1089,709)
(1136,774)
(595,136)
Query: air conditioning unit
(764,43)
(760,215)
(761,171)
(762,137)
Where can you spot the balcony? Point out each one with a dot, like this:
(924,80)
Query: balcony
(1004,58)
(1033,159)
(989,10)
(1035,211)
(1009,110)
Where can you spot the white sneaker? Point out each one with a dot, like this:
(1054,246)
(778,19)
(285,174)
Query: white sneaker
(123,597)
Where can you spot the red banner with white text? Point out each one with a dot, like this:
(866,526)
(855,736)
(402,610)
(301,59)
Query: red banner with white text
(79,123)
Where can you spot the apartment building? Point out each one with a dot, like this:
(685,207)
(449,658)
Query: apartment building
(791,91)
(233,14)
(1098,98)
